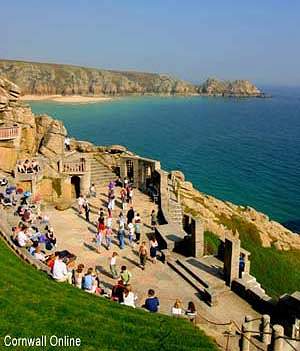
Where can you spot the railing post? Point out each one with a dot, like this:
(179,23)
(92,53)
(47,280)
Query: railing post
(246,334)
(265,329)
(278,342)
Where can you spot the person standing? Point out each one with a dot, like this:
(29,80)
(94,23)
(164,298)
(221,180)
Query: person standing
(121,231)
(153,249)
(143,254)
(80,202)
(131,233)
(87,210)
(125,275)
(108,235)
(130,215)
(153,220)
(113,265)
(93,190)
(137,228)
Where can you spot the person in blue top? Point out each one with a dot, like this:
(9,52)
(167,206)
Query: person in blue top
(88,281)
(152,302)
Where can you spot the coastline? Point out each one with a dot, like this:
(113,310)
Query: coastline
(66,99)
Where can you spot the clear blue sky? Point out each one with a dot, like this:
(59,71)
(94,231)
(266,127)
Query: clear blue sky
(191,39)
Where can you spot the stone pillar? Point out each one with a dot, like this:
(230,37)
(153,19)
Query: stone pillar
(265,328)
(136,173)
(247,264)
(197,231)
(231,260)
(278,342)
(246,334)
(122,168)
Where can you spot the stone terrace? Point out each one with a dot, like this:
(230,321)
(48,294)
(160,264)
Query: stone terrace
(76,235)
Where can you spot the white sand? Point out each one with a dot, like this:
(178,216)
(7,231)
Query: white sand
(67,99)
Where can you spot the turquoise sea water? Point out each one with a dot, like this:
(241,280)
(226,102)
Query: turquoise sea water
(243,150)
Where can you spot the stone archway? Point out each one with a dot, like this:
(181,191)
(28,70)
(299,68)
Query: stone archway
(75,182)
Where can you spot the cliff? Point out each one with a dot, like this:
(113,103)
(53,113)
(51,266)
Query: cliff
(51,79)
(226,88)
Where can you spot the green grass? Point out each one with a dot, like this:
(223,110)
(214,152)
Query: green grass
(31,304)
(277,271)
(211,243)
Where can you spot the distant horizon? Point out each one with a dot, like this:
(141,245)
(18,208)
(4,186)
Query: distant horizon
(258,84)
(192,40)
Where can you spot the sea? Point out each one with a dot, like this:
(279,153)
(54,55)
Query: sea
(243,150)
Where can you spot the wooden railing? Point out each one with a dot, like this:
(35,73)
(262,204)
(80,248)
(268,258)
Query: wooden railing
(7,133)
(73,167)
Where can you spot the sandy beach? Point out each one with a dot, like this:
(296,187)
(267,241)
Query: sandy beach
(66,99)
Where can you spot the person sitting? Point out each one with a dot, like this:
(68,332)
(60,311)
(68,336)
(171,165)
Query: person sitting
(152,302)
(191,312)
(3,182)
(39,255)
(90,284)
(33,247)
(22,238)
(35,166)
(60,271)
(117,292)
(78,276)
(50,241)
(20,167)
(129,297)
(176,310)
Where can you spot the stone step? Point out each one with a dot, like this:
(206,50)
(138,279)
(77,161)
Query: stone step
(205,293)
(207,281)
(179,270)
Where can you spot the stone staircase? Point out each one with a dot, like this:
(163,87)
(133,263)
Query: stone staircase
(175,210)
(251,283)
(100,174)
(209,286)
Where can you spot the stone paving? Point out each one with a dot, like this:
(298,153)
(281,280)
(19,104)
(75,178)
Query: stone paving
(76,235)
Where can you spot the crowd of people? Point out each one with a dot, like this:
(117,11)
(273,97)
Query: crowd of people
(28,166)
(35,233)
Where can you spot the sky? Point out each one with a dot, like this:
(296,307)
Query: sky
(189,39)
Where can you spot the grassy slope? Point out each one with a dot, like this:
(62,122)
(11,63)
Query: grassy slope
(33,305)
(277,271)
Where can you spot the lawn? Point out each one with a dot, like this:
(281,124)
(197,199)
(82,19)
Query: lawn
(33,305)
(277,271)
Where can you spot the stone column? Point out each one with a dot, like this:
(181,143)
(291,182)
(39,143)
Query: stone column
(197,230)
(278,342)
(265,328)
(246,334)
(122,166)
(136,174)
(231,259)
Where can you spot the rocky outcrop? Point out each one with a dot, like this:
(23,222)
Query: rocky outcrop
(40,134)
(216,214)
(226,88)
(51,79)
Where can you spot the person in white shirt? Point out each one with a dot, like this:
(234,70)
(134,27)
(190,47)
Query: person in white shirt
(81,202)
(39,255)
(129,297)
(22,239)
(176,310)
(60,272)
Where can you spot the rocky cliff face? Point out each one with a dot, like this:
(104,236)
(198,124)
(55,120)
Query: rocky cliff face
(37,134)
(51,79)
(227,88)
(217,214)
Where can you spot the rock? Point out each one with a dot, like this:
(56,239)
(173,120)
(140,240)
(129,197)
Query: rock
(116,148)
(226,88)
(178,175)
